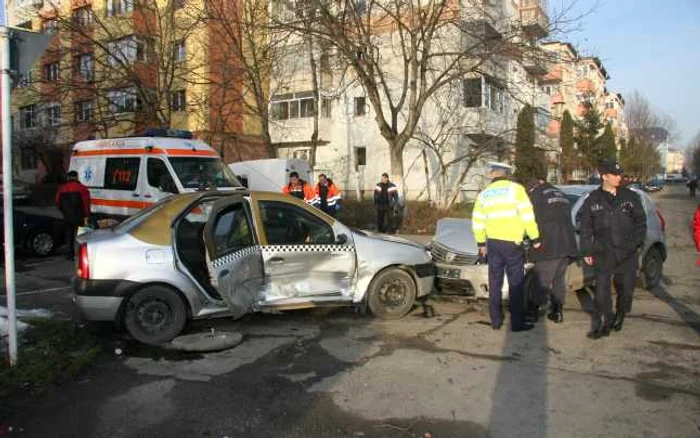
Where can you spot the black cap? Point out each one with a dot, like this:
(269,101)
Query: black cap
(294,175)
(609,167)
(72,174)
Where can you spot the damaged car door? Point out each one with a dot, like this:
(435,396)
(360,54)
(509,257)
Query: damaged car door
(234,258)
(305,259)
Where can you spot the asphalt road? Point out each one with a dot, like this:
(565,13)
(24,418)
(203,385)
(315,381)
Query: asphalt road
(339,374)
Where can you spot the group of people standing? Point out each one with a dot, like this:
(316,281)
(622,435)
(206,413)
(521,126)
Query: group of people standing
(612,232)
(326,196)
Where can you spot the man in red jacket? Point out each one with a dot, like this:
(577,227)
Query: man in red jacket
(696,230)
(73,199)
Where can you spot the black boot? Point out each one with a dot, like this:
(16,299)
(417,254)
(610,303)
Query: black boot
(532,314)
(601,330)
(556,314)
(619,320)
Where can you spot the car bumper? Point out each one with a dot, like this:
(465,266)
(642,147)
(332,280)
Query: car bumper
(468,279)
(100,300)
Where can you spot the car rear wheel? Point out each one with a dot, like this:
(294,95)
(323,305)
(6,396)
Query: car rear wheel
(155,315)
(41,243)
(652,268)
(391,294)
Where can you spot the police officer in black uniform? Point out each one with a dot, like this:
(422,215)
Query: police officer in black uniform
(558,249)
(613,228)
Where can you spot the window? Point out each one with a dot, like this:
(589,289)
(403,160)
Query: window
(232,231)
(27,117)
(50,26)
(360,157)
(178,101)
(82,17)
(286,224)
(325,107)
(159,176)
(609,105)
(122,173)
(24,80)
(27,158)
(279,110)
(118,7)
(52,72)
(472,93)
(293,106)
(85,66)
(126,50)
(360,106)
(542,118)
(53,114)
(484,93)
(123,101)
(179,51)
(84,111)
(307,108)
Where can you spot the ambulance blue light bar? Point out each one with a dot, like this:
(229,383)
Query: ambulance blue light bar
(164,132)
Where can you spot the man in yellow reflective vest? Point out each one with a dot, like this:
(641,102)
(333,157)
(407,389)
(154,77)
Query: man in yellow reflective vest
(502,216)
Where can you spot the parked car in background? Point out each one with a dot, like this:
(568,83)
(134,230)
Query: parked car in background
(39,231)
(21,191)
(205,254)
(459,269)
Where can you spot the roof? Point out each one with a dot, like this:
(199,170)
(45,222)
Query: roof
(137,145)
(567,45)
(598,64)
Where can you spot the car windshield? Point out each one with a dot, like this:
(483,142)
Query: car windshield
(196,173)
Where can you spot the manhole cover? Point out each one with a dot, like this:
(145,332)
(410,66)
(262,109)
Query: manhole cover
(203,342)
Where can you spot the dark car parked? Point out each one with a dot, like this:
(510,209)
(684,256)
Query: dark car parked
(38,230)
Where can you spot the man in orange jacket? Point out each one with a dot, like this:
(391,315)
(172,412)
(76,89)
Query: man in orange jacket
(328,195)
(300,189)
(696,231)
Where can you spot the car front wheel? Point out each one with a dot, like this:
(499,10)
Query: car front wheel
(391,294)
(155,315)
(41,243)
(652,268)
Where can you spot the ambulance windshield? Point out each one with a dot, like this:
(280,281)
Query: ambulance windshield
(203,173)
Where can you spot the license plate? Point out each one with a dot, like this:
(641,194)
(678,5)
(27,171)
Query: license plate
(448,273)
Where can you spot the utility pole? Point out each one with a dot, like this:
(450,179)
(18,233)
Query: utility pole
(7,192)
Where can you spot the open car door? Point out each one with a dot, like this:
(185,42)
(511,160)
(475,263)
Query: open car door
(234,258)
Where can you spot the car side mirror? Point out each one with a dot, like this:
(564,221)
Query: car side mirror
(341,239)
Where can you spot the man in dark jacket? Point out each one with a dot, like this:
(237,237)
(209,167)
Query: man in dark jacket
(613,229)
(73,199)
(558,249)
(386,198)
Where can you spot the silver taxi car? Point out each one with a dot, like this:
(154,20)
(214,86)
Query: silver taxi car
(210,254)
(459,269)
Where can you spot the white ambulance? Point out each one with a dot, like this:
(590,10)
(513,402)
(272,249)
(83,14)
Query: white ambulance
(125,175)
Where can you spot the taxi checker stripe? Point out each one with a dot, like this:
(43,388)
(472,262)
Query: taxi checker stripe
(228,258)
(307,248)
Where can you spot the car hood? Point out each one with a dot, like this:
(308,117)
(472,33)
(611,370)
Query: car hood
(456,235)
(387,238)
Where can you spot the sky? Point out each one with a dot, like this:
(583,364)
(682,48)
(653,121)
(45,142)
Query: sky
(645,45)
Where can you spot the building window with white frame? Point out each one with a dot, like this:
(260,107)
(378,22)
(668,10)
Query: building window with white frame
(178,101)
(83,17)
(53,114)
(85,66)
(119,7)
(484,92)
(126,50)
(27,117)
(52,72)
(123,101)
(84,111)
(360,157)
(360,106)
(179,51)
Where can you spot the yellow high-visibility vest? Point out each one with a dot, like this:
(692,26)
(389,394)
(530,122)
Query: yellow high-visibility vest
(503,211)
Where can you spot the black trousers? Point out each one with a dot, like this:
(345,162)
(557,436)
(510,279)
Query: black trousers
(71,232)
(509,258)
(385,218)
(692,193)
(551,281)
(623,277)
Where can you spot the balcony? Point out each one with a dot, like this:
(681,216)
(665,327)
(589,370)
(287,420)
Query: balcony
(533,18)
(299,130)
(533,65)
(555,75)
(485,124)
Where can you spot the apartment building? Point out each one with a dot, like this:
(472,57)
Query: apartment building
(115,67)
(477,110)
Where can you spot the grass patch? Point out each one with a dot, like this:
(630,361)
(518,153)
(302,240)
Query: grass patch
(50,352)
(421,219)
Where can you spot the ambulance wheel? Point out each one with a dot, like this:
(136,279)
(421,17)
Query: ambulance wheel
(391,294)
(154,315)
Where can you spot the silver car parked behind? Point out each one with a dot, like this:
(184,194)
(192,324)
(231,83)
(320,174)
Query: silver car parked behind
(208,254)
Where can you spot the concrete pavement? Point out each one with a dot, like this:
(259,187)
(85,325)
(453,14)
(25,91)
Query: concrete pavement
(339,374)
